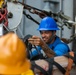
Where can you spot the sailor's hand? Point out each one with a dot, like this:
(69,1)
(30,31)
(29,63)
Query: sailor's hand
(35,40)
(43,64)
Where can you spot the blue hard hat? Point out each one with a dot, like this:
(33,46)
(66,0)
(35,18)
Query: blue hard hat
(48,23)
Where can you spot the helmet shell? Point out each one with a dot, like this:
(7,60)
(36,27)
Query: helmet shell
(13,58)
(48,23)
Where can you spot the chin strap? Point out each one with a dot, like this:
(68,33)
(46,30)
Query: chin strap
(52,36)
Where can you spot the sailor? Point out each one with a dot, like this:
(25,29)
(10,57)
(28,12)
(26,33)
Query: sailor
(47,29)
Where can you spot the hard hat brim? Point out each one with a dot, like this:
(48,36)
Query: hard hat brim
(48,29)
(15,69)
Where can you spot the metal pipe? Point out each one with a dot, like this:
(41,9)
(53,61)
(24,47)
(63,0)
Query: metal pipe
(61,5)
(61,9)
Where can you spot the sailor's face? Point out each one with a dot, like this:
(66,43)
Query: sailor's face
(46,36)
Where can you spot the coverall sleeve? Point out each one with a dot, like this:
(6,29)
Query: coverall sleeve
(34,52)
(61,49)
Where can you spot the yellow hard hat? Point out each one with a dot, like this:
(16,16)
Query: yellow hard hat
(13,58)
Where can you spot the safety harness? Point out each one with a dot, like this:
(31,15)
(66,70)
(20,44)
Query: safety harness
(71,59)
(71,56)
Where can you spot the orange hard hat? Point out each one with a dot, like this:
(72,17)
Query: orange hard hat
(13,58)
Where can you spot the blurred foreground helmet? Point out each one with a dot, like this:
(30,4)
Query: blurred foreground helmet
(1,2)
(48,23)
(13,55)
